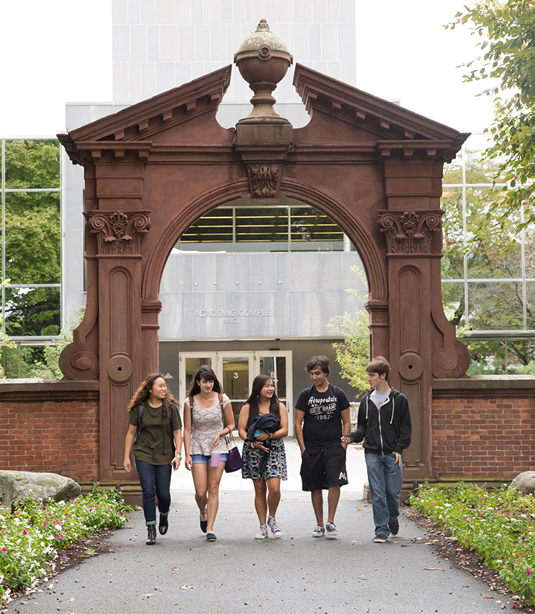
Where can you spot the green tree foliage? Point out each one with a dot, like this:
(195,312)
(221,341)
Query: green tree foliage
(33,236)
(506,33)
(353,353)
(48,368)
(493,251)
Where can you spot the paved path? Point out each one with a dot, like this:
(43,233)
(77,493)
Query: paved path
(183,573)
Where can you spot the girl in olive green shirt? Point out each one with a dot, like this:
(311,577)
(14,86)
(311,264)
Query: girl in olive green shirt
(157,444)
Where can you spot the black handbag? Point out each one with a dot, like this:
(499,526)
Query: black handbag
(234,459)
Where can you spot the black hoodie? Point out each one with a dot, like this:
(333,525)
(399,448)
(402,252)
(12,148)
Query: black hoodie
(385,430)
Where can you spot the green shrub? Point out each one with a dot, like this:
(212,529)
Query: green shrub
(498,524)
(32,535)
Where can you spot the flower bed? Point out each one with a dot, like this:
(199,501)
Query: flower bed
(32,535)
(498,524)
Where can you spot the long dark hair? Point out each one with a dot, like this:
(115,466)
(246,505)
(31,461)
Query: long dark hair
(258,383)
(206,373)
(143,393)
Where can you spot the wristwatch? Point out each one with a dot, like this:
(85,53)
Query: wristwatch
(179,456)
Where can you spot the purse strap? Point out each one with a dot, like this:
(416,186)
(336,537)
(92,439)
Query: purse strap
(229,437)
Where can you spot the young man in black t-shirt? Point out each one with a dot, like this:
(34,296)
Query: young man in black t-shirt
(321,418)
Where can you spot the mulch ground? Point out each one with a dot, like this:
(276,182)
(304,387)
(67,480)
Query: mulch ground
(447,549)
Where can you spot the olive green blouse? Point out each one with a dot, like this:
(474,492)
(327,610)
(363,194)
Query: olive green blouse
(155,444)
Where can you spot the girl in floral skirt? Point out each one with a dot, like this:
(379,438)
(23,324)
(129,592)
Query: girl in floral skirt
(264,455)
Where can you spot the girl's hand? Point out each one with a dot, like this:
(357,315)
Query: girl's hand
(345,439)
(127,465)
(216,440)
(258,445)
(262,436)
(188,462)
(176,463)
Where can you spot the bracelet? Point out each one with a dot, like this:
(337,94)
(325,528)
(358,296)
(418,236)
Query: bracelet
(179,456)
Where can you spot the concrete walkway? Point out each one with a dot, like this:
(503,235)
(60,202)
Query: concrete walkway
(184,573)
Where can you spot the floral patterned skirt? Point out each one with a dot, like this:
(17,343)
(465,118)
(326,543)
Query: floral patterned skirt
(275,467)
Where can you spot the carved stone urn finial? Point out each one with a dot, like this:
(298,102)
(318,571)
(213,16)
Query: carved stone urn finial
(263,60)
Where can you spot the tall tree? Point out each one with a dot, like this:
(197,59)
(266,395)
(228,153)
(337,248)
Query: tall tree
(506,32)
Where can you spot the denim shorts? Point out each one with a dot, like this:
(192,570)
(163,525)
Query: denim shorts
(204,459)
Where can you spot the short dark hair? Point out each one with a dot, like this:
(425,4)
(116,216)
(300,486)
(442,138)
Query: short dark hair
(379,365)
(318,361)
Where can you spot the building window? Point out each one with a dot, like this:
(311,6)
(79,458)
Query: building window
(30,238)
(487,272)
(243,227)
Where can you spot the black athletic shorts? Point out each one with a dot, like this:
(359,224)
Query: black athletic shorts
(323,467)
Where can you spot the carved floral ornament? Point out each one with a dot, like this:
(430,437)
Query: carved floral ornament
(264,180)
(409,232)
(118,233)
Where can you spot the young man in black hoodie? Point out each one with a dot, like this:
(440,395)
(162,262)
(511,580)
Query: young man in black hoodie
(384,422)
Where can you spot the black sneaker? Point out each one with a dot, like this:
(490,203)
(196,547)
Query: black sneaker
(380,538)
(393,525)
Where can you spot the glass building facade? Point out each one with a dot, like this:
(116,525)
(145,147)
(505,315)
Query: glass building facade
(488,269)
(30,244)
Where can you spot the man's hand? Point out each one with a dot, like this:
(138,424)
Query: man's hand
(398,458)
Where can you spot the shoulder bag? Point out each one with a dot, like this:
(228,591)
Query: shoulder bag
(234,459)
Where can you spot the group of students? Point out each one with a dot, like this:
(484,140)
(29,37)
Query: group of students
(322,427)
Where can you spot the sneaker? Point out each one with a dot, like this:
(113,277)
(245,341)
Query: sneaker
(263,533)
(393,525)
(318,531)
(275,529)
(330,528)
(380,538)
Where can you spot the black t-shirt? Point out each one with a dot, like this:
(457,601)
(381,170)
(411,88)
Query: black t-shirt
(322,425)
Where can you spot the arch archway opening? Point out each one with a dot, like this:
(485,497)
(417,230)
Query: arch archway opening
(254,288)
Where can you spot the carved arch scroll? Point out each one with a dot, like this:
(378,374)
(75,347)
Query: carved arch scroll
(118,232)
(409,232)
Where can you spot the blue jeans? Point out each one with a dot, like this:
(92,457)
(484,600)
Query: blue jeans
(155,481)
(385,479)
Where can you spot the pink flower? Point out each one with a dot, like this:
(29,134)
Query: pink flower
(4,549)
(44,524)
(25,532)
(528,571)
(59,537)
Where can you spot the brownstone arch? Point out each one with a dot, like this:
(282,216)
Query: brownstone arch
(153,169)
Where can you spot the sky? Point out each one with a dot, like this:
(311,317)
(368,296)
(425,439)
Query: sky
(59,51)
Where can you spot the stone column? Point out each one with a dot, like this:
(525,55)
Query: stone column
(119,224)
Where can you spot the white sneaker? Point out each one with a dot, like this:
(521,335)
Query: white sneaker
(330,528)
(318,531)
(263,533)
(275,529)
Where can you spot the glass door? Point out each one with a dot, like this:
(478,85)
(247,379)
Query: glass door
(237,378)
(278,365)
(188,364)
(236,372)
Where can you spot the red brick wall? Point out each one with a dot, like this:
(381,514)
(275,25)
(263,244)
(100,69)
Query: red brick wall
(484,434)
(51,427)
